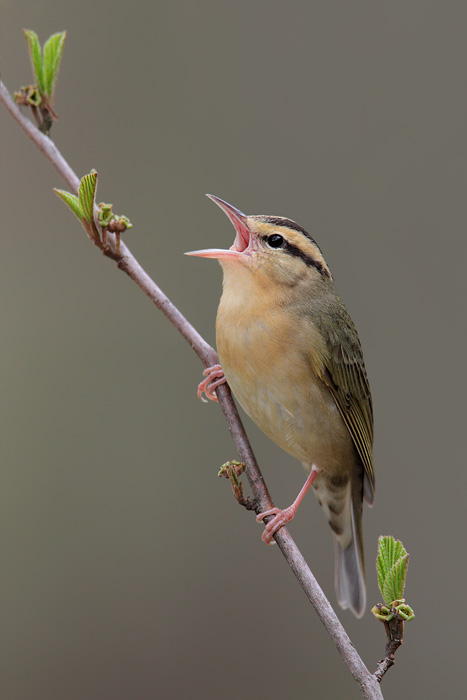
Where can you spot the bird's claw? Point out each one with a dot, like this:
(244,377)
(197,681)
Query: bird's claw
(281,518)
(214,377)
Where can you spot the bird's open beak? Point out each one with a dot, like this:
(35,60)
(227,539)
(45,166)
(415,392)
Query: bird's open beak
(242,238)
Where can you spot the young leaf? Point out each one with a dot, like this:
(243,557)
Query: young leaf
(87,195)
(35,55)
(53,49)
(389,551)
(71,200)
(391,565)
(393,588)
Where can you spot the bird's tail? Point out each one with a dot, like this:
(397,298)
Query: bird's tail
(349,558)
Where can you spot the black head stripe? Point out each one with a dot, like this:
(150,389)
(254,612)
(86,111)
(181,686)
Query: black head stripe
(293,249)
(297,252)
(307,259)
(288,223)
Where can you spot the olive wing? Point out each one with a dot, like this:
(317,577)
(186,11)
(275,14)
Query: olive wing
(346,378)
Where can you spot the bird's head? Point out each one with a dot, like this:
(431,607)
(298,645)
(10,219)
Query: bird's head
(273,248)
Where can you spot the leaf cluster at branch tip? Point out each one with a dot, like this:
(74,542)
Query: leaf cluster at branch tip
(45,62)
(84,206)
(391,564)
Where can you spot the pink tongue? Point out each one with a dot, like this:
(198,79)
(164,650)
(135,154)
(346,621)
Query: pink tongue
(238,244)
(242,238)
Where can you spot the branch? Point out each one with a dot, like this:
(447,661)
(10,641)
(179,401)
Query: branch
(394,634)
(368,682)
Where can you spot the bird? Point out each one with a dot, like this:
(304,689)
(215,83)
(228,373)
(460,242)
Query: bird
(292,357)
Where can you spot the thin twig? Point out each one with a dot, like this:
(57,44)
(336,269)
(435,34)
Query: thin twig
(232,471)
(368,683)
(394,635)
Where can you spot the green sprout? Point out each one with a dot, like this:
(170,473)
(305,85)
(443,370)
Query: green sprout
(83,207)
(45,65)
(232,470)
(391,564)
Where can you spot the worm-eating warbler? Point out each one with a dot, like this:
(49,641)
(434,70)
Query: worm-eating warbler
(292,357)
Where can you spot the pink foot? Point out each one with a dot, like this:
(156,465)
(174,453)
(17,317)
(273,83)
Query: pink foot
(214,377)
(282,517)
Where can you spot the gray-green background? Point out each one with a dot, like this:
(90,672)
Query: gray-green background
(126,568)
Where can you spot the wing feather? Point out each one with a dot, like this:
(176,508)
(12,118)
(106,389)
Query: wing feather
(346,378)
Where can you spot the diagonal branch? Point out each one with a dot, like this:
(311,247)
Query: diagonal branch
(368,682)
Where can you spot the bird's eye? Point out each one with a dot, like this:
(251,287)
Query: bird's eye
(275,241)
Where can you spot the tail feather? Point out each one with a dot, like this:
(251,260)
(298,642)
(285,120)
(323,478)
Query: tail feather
(343,509)
(350,567)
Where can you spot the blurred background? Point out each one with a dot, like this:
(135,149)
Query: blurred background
(126,568)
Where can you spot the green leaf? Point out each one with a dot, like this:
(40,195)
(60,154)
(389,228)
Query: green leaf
(71,200)
(389,551)
(87,195)
(53,49)
(391,565)
(35,55)
(393,588)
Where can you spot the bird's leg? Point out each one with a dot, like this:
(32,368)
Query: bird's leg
(281,517)
(214,377)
